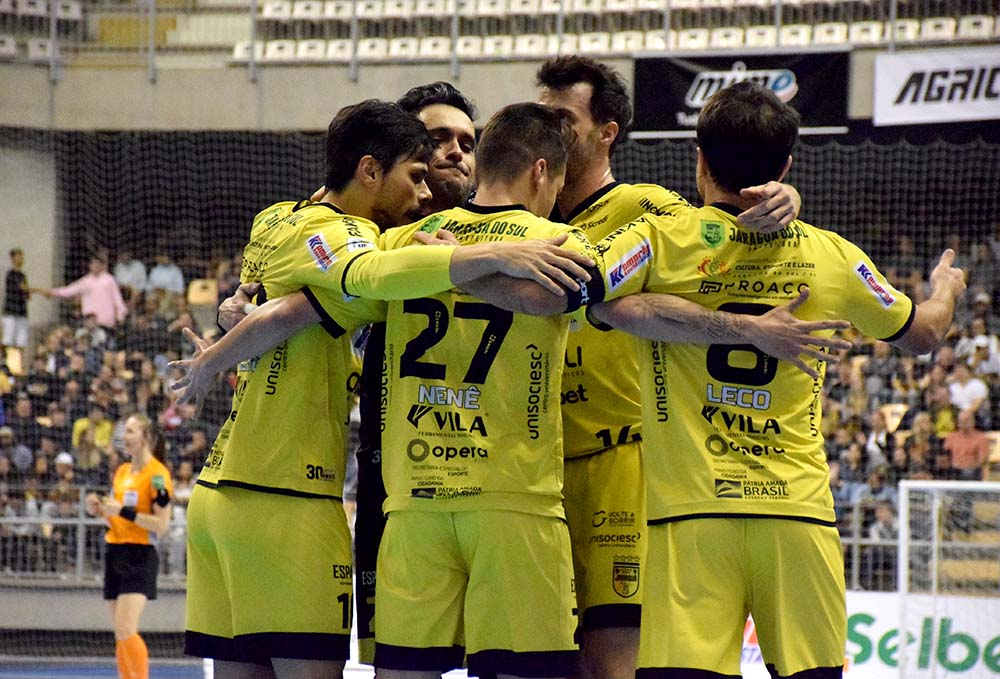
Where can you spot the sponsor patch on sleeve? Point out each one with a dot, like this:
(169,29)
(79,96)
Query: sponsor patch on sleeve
(320,251)
(884,293)
(633,261)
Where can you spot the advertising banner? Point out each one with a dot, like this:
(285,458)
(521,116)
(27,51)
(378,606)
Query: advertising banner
(948,637)
(670,92)
(937,86)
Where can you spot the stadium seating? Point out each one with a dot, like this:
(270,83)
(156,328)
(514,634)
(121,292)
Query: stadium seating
(761,36)
(795,35)
(40,49)
(726,38)
(8,47)
(311,50)
(373,49)
(406,48)
(498,46)
(692,39)
(340,50)
(280,50)
(865,32)
(905,30)
(627,41)
(833,33)
(241,50)
(307,9)
(656,41)
(975,27)
(937,29)
(435,47)
(531,45)
(469,46)
(595,43)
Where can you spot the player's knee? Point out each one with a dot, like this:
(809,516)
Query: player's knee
(813,673)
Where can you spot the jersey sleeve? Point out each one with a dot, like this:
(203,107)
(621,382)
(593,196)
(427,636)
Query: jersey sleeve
(337,311)
(869,301)
(625,258)
(660,201)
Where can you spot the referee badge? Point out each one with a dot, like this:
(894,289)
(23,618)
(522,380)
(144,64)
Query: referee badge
(625,579)
(711,234)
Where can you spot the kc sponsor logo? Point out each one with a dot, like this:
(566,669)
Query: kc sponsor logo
(877,289)
(728,489)
(320,251)
(633,261)
(419,450)
(625,579)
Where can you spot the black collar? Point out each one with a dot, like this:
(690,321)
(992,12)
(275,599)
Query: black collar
(587,202)
(490,209)
(727,207)
(308,203)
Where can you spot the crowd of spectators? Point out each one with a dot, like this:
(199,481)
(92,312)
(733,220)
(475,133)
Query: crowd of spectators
(62,410)
(887,416)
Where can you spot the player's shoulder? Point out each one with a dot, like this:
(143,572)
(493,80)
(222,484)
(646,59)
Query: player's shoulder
(654,198)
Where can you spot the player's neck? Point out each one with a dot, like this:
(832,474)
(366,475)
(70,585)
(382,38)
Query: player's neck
(583,187)
(351,201)
(495,195)
(715,194)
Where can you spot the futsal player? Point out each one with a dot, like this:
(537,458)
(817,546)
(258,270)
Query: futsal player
(279,458)
(605,497)
(740,514)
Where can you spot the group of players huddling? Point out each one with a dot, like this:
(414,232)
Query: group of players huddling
(530,478)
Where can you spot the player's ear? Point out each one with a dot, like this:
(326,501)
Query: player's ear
(368,171)
(538,171)
(788,166)
(609,132)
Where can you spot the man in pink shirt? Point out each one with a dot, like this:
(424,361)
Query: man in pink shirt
(98,293)
(968,448)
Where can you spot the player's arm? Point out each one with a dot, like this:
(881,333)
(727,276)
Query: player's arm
(777,205)
(667,318)
(267,327)
(417,272)
(932,317)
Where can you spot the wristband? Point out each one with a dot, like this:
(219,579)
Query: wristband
(127,513)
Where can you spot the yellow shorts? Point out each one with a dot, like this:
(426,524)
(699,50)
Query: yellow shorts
(706,575)
(606,510)
(496,586)
(269,576)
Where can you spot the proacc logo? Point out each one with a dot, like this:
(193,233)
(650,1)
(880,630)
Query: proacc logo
(781,81)
(937,645)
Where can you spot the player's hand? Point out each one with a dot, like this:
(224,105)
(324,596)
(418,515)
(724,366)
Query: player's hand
(780,334)
(543,261)
(439,237)
(318,194)
(197,378)
(946,278)
(236,307)
(776,206)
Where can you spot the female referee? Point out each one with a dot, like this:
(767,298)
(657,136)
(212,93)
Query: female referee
(139,506)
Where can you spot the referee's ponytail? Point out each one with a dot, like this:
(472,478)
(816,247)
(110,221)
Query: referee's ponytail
(154,436)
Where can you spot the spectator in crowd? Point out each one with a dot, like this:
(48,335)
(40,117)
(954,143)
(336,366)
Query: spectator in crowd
(982,307)
(21,458)
(57,426)
(907,269)
(966,391)
(968,449)
(984,273)
(21,420)
(880,372)
(166,276)
(852,465)
(98,294)
(984,362)
(842,491)
(15,309)
(40,384)
(65,468)
(877,488)
(130,274)
(920,451)
(884,529)
(942,412)
(97,424)
(880,442)
(90,332)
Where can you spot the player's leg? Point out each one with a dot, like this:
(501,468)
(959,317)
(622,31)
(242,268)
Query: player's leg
(605,508)
(694,600)
(224,669)
(519,609)
(797,572)
(420,597)
(289,668)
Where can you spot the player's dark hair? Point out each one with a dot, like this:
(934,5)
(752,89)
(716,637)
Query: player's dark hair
(372,128)
(610,98)
(420,97)
(746,135)
(15,251)
(518,135)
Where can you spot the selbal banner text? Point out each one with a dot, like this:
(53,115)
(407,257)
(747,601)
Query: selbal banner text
(937,86)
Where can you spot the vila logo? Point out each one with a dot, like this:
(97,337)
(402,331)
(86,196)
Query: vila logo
(866,275)
(731,489)
(417,412)
(320,252)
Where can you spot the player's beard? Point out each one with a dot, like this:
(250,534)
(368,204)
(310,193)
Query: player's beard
(447,194)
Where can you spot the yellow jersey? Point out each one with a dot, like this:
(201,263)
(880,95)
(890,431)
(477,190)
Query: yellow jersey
(729,430)
(472,396)
(286,431)
(601,406)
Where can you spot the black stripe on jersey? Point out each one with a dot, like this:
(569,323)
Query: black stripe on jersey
(331,326)
(680,673)
(906,326)
(308,203)
(587,202)
(523,664)
(731,515)
(343,278)
(608,616)
(490,209)
(435,659)
(259,648)
(288,492)
(727,207)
